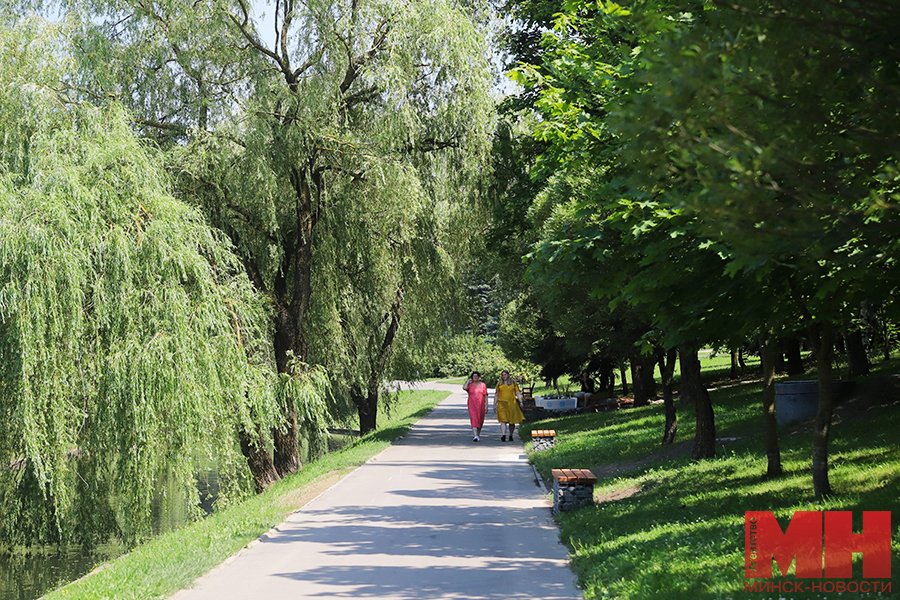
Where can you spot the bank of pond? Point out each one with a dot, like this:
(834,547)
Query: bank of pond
(28,572)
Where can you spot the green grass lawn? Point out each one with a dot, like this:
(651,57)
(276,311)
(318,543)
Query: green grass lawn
(677,528)
(173,560)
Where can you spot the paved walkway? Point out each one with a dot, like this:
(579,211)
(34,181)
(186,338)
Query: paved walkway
(433,516)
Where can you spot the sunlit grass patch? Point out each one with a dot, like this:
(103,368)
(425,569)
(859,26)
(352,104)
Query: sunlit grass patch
(595,439)
(681,536)
(674,528)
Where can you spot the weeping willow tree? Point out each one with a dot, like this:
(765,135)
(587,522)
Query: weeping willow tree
(387,278)
(132,343)
(337,149)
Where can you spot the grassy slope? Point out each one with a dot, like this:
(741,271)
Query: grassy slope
(172,561)
(677,529)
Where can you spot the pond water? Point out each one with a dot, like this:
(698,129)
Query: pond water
(29,573)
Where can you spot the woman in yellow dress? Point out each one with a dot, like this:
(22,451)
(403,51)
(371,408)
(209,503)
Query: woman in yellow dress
(506,405)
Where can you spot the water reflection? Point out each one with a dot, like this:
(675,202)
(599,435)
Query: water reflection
(28,573)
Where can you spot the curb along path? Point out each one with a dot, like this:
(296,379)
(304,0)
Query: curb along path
(433,516)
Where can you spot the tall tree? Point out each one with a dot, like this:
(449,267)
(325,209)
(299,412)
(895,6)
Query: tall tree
(778,115)
(653,254)
(131,340)
(350,100)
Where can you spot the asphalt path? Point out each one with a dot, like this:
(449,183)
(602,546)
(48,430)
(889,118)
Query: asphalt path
(435,515)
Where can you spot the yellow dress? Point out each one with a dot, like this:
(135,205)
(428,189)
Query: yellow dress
(508,410)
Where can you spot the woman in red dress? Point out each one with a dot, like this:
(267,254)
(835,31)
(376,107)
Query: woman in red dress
(477,403)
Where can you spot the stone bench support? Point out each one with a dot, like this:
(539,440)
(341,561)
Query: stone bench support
(572,488)
(542,439)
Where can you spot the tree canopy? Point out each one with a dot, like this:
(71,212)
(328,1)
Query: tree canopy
(133,342)
(741,165)
(338,155)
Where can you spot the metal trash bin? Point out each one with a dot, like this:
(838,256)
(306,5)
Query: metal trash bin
(799,400)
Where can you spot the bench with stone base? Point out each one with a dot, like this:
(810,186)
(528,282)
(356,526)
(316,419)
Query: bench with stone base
(572,488)
(542,439)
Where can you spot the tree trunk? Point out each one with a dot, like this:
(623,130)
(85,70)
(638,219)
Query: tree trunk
(367,403)
(648,374)
(642,379)
(291,294)
(286,457)
(607,384)
(794,356)
(773,452)
(624,381)
(253,447)
(288,343)
(293,300)
(286,451)
(778,357)
(734,365)
(637,385)
(695,392)
(667,373)
(366,409)
(741,358)
(602,379)
(857,357)
(823,342)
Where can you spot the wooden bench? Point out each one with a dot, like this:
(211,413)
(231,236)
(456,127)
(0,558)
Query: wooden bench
(574,476)
(527,398)
(543,439)
(572,488)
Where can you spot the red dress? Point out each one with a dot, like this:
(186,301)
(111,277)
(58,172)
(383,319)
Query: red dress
(477,403)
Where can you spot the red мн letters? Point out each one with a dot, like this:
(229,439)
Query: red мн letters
(806,540)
